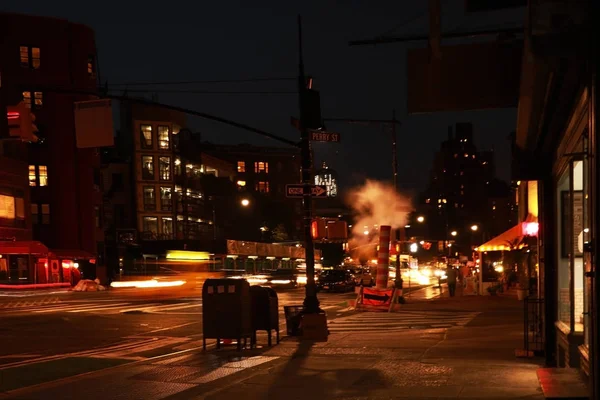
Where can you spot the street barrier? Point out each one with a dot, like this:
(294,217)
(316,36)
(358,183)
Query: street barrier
(377,299)
(265,311)
(226,311)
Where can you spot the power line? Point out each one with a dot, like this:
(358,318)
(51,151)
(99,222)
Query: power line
(201,82)
(200,91)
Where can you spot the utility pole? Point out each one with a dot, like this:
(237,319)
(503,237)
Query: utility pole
(311,302)
(399,241)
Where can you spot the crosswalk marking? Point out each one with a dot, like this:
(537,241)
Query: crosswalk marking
(379,321)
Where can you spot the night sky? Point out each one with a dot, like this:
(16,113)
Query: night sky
(191,41)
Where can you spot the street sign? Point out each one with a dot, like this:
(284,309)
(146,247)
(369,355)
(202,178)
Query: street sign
(297,190)
(323,136)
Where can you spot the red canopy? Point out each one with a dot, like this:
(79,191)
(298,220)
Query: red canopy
(23,247)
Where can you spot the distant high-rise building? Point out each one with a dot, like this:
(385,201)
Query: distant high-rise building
(463,191)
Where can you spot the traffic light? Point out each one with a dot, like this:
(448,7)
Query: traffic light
(21,123)
(312,106)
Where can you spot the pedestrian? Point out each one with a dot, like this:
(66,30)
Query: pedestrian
(452,276)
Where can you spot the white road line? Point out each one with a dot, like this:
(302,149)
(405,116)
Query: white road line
(75,308)
(174,327)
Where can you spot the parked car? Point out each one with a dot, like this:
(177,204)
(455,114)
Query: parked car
(336,280)
(363,277)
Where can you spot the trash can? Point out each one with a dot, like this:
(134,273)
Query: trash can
(265,311)
(293,318)
(226,311)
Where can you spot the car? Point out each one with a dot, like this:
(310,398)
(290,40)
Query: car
(336,280)
(285,278)
(362,277)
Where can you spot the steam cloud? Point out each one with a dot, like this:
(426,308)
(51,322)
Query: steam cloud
(375,204)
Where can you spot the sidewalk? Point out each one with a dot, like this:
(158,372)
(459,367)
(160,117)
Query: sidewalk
(475,361)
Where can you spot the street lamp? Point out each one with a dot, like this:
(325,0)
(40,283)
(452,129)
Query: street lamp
(366,233)
(454,233)
(413,247)
(245,202)
(474,228)
(420,218)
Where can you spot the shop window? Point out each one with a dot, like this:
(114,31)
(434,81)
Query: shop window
(146,136)
(241,166)
(150,227)
(166,198)
(45,208)
(149,198)
(30,57)
(261,166)
(148,168)
(164,165)
(163,137)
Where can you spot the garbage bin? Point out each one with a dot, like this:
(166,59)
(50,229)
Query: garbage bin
(293,318)
(226,311)
(265,311)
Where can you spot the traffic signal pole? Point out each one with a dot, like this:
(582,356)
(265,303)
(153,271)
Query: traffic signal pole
(311,302)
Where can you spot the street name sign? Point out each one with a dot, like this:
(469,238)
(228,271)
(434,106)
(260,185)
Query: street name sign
(297,190)
(323,136)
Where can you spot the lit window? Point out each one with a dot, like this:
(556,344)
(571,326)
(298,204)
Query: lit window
(261,166)
(30,57)
(455,155)
(45,214)
(241,183)
(32,176)
(43,175)
(427,201)
(150,227)
(148,167)
(146,136)
(35,214)
(164,168)
(165,198)
(163,137)
(494,208)
(262,187)
(241,166)
(149,198)
(91,67)
(167,226)
(27,99)
(466,155)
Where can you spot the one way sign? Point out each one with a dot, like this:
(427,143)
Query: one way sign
(297,190)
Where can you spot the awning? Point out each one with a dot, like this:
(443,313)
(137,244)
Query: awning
(23,247)
(71,254)
(512,239)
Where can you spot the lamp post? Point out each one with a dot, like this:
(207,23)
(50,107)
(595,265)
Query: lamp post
(244,203)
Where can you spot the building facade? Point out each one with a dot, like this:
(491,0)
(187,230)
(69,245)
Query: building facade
(556,148)
(263,172)
(48,66)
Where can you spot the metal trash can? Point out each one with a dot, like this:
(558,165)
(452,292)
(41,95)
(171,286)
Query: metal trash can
(293,319)
(226,311)
(265,311)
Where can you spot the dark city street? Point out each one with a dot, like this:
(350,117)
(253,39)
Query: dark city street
(299,200)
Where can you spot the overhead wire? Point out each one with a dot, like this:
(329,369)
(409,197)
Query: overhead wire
(195,82)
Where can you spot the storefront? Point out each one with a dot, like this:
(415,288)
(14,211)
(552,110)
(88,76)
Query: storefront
(573,222)
(20,262)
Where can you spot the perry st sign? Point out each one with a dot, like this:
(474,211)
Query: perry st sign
(297,190)
(323,136)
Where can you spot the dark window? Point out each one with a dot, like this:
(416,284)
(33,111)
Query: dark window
(117,181)
(35,215)
(119,215)
(97,217)
(150,227)
(45,213)
(91,66)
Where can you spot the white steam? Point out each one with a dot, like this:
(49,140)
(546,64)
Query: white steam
(375,204)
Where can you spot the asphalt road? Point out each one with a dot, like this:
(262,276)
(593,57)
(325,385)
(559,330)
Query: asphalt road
(55,334)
